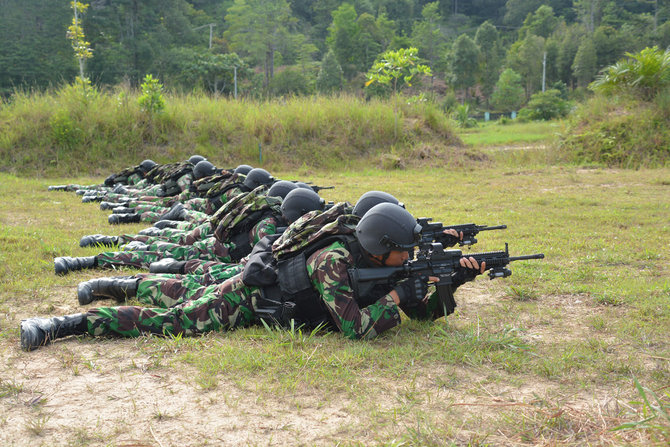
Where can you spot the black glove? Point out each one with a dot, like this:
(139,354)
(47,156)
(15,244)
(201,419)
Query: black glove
(463,275)
(447,240)
(412,290)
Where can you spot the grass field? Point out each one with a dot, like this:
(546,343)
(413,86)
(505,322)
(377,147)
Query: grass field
(514,134)
(563,352)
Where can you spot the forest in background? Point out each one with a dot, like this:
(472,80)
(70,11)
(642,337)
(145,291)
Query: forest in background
(279,47)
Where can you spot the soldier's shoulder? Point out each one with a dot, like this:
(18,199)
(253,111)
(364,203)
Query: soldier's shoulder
(335,252)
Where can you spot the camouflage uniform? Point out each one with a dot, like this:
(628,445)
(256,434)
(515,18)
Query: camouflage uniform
(232,304)
(133,179)
(209,249)
(153,213)
(157,190)
(174,235)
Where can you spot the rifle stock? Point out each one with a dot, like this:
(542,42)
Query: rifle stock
(434,232)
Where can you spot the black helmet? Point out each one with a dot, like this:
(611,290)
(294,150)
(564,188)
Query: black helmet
(387,227)
(303,185)
(242,169)
(195,159)
(257,177)
(372,198)
(203,169)
(300,201)
(281,188)
(147,165)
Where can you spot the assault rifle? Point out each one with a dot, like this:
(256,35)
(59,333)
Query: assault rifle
(433,260)
(434,232)
(317,188)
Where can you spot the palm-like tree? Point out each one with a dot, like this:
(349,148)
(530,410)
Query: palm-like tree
(643,74)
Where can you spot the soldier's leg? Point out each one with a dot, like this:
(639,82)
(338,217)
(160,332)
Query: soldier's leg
(137,259)
(168,290)
(196,204)
(224,307)
(201,232)
(212,250)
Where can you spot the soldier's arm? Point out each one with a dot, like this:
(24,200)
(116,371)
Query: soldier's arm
(327,269)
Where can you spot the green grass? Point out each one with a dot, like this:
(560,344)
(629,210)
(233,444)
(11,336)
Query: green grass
(584,321)
(512,134)
(62,132)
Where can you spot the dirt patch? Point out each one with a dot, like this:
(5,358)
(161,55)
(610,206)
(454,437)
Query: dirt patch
(120,399)
(105,392)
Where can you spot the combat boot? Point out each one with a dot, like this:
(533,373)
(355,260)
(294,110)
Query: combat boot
(88,198)
(58,188)
(124,210)
(66,264)
(151,231)
(119,288)
(111,205)
(167,265)
(99,240)
(115,219)
(163,224)
(177,212)
(36,332)
(135,246)
(119,189)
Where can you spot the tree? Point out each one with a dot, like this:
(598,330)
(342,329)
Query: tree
(464,63)
(490,50)
(368,41)
(643,74)
(33,51)
(397,69)
(567,50)
(608,44)
(584,67)
(255,27)
(525,57)
(428,36)
(542,22)
(342,38)
(329,79)
(509,93)
(202,68)
(589,12)
(516,11)
(76,35)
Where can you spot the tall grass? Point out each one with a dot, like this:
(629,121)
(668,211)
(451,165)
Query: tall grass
(620,131)
(66,132)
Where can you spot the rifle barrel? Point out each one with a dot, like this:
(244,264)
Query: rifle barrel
(524,257)
(495,227)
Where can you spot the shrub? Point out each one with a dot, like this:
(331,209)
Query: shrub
(545,106)
(462,116)
(151,101)
(291,81)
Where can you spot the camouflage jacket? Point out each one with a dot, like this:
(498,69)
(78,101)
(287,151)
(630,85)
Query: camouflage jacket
(328,272)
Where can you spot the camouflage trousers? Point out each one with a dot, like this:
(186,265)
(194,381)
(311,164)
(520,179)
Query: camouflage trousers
(212,272)
(155,214)
(218,308)
(151,191)
(162,205)
(173,235)
(168,290)
(208,250)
